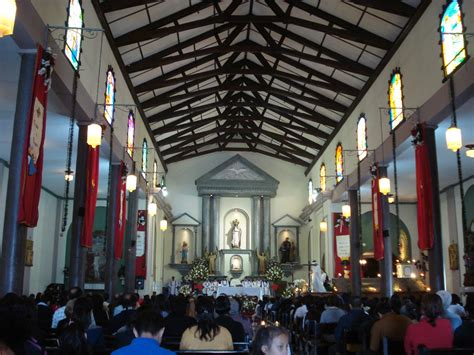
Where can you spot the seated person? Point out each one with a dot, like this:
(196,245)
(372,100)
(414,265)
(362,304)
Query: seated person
(432,331)
(177,321)
(463,337)
(148,328)
(456,306)
(391,325)
(207,334)
(446,298)
(235,328)
(271,341)
(332,312)
(350,322)
(124,317)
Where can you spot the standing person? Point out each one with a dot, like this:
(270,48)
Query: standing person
(271,341)
(173,287)
(148,329)
(207,334)
(432,331)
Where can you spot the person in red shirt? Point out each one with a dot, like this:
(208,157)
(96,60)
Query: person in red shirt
(432,331)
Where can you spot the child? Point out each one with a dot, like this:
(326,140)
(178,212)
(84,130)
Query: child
(271,341)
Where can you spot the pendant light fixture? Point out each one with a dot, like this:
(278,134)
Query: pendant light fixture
(152,208)
(453,138)
(94,135)
(69,175)
(384,185)
(323,226)
(346,211)
(391,198)
(7,17)
(470,150)
(131,182)
(163,225)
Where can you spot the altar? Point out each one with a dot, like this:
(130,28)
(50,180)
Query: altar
(243,291)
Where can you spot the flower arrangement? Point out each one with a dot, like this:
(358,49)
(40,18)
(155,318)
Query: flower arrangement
(274,272)
(249,304)
(185,290)
(199,270)
(288,292)
(300,285)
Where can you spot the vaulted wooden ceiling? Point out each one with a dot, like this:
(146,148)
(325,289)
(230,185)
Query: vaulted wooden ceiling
(267,76)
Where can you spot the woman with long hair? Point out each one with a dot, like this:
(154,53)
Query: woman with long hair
(207,334)
(432,331)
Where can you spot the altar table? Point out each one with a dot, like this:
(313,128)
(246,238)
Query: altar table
(243,291)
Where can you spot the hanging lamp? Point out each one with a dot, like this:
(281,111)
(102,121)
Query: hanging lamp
(384,185)
(69,175)
(323,226)
(346,211)
(470,150)
(163,225)
(152,208)
(94,135)
(453,138)
(131,182)
(7,17)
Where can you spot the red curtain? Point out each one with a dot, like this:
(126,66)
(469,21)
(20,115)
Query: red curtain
(32,167)
(92,185)
(140,263)
(377,221)
(341,227)
(424,192)
(121,213)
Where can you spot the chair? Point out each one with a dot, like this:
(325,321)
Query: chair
(454,351)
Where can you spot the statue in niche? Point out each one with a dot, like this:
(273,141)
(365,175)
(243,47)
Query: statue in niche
(293,252)
(285,249)
(236,263)
(184,253)
(212,262)
(236,234)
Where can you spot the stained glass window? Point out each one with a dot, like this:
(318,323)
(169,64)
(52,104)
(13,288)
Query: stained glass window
(144,158)
(310,191)
(109,106)
(155,174)
(322,177)
(395,98)
(452,38)
(362,138)
(339,163)
(130,133)
(75,23)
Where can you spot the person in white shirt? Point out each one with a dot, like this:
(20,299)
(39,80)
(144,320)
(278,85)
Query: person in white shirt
(456,306)
(60,314)
(173,287)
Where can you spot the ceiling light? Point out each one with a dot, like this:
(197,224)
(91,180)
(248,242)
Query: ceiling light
(323,226)
(131,182)
(94,135)
(152,209)
(384,185)
(7,17)
(69,175)
(346,211)
(391,198)
(453,138)
(470,150)
(163,225)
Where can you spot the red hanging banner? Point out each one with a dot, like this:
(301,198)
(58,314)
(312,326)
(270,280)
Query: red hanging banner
(32,167)
(121,214)
(92,185)
(341,244)
(140,263)
(377,217)
(423,190)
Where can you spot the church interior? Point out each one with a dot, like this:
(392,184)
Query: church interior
(264,150)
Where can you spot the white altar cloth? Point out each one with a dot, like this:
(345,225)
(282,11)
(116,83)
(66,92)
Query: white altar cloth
(242,291)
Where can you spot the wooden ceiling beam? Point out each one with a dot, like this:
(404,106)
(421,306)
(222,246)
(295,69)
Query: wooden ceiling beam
(115,5)
(395,7)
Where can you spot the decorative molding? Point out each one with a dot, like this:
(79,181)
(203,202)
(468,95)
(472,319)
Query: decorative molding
(185,219)
(237,177)
(293,222)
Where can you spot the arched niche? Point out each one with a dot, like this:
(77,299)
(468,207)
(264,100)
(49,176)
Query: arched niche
(244,224)
(403,240)
(185,246)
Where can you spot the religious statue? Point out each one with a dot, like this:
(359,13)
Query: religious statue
(261,263)
(184,253)
(285,249)
(212,262)
(293,252)
(317,277)
(236,234)
(453,256)
(236,263)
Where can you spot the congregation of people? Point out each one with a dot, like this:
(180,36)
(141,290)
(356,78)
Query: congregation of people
(73,322)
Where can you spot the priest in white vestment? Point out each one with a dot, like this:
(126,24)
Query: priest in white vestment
(317,278)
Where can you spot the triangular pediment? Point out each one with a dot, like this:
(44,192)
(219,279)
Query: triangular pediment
(287,221)
(237,177)
(185,220)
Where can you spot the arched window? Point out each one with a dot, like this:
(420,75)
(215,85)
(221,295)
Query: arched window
(322,177)
(144,158)
(395,99)
(130,133)
(339,163)
(155,174)
(109,106)
(310,191)
(73,42)
(453,46)
(362,138)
